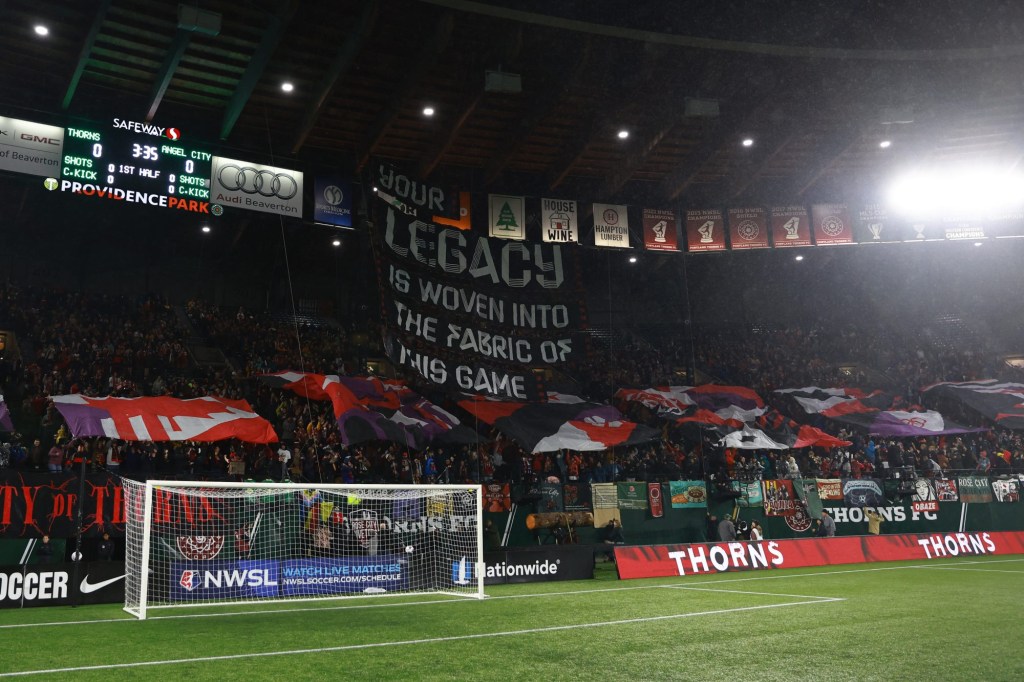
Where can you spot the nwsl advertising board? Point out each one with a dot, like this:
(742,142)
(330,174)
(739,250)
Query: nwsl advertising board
(662,561)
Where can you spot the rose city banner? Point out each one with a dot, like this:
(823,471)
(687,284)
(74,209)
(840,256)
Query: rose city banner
(664,561)
(471,313)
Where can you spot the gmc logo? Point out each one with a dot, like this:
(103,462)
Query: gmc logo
(37,138)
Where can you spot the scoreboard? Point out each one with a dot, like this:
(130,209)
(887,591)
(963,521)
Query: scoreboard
(138,163)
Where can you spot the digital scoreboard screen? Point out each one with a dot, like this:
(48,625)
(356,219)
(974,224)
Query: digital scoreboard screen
(136,163)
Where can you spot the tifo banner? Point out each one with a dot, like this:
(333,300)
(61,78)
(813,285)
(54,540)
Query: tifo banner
(414,197)
(874,225)
(946,490)
(206,419)
(974,489)
(33,505)
(863,492)
(790,226)
(779,498)
(748,228)
(705,231)
(632,495)
(473,314)
(611,226)
(507,217)
(660,230)
(688,494)
(663,561)
(332,201)
(256,187)
(832,224)
(559,221)
(830,488)
(750,494)
(1002,402)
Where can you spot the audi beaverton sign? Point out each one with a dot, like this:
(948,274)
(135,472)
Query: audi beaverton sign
(255,187)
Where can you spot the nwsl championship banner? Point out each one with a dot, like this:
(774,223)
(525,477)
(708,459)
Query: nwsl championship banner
(471,313)
(662,561)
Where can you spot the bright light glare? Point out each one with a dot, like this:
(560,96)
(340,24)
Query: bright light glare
(956,192)
(748,142)
(632,259)
(623,134)
(206,229)
(799,257)
(977,243)
(428,111)
(41,30)
(336,242)
(885,144)
(287,87)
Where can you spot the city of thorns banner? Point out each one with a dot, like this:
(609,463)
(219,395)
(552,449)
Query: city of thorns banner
(471,313)
(33,505)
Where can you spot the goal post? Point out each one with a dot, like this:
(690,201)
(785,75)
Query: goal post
(201,543)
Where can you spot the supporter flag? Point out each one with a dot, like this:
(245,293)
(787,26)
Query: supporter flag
(830,488)
(863,492)
(711,404)
(1002,402)
(5,416)
(632,495)
(750,494)
(368,408)
(205,419)
(497,497)
(688,494)
(974,489)
(1006,490)
(904,423)
(779,498)
(925,498)
(946,491)
(606,503)
(551,426)
(774,431)
(807,490)
(577,496)
(837,402)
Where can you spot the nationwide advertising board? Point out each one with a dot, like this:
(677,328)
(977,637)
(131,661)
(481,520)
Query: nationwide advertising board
(527,565)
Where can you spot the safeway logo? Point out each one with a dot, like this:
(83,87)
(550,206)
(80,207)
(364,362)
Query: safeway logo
(86,587)
(173,134)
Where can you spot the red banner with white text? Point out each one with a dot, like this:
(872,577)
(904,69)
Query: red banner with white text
(662,561)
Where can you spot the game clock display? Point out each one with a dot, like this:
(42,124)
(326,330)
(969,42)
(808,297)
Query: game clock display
(136,163)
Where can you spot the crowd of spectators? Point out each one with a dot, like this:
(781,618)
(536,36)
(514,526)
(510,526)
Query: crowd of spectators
(73,342)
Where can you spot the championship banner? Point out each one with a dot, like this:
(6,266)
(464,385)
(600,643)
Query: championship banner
(497,497)
(705,231)
(688,494)
(660,230)
(30,148)
(332,201)
(463,222)
(507,217)
(1006,490)
(830,489)
(559,221)
(779,497)
(790,226)
(33,505)
(632,495)
(748,228)
(576,497)
(922,231)
(863,492)
(974,489)
(963,227)
(655,502)
(832,224)
(665,561)
(946,490)
(874,225)
(256,187)
(750,494)
(611,226)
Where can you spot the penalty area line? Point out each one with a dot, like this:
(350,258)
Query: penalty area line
(407,642)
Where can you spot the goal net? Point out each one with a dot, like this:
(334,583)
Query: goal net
(201,543)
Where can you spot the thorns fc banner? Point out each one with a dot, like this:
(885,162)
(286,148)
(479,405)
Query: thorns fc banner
(748,228)
(660,230)
(790,227)
(471,313)
(705,231)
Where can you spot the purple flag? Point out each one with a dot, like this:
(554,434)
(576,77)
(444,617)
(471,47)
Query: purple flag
(5,417)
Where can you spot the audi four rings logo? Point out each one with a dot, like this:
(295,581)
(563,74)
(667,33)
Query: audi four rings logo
(257,181)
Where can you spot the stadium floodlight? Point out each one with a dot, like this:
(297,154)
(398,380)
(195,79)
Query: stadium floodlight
(956,191)
(200,543)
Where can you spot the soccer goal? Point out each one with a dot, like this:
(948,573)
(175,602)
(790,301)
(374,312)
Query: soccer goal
(192,543)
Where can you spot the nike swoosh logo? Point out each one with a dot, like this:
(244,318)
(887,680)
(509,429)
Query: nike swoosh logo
(86,587)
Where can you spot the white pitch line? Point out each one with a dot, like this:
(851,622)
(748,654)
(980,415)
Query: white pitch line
(769,594)
(982,570)
(407,642)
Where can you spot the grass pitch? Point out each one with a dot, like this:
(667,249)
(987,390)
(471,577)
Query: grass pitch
(955,619)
